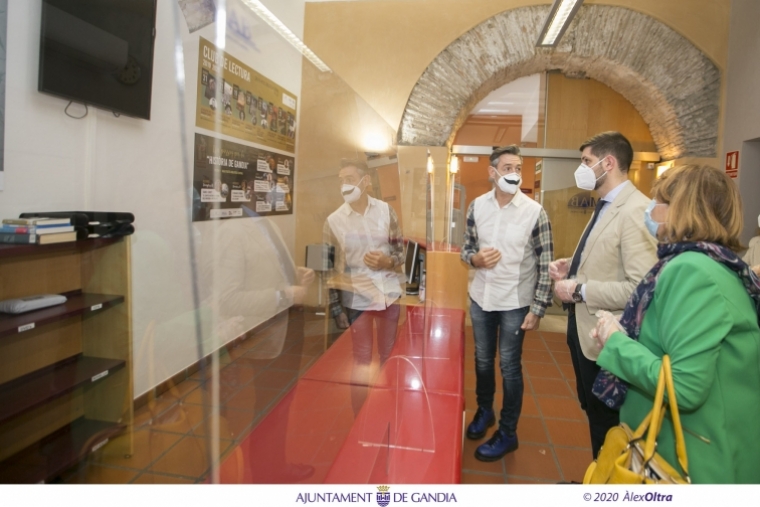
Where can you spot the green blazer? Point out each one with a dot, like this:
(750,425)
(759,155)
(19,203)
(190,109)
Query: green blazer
(703,318)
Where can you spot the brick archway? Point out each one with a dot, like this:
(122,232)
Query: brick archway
(674,86)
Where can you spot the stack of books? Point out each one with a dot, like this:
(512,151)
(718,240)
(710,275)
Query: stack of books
(42,231)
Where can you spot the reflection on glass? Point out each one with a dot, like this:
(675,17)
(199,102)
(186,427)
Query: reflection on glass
(367,273)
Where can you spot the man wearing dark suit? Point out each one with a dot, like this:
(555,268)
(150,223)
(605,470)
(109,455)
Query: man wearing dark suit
(613,255)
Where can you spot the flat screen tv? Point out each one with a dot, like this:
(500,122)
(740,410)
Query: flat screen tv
(99,52)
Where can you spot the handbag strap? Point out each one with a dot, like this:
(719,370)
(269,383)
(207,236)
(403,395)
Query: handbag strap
(657,415)
(675,416)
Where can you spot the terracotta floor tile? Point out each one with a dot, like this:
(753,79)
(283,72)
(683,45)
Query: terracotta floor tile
(151,478)
(532,335)
(526,480)
(562,357)
(237,375)
(561,408)
(275,379)
(568,372)
(550,387)
(537,356)
(529,406)
(556,346)
(470,399)
(533,344)
(473,478)
(542,370)
(533,461)
(266,398)
(469,380)
(203,396)
(573,462)
(531,429)
(568,433)
(179,391)
(232,353)
(470,463)
(189,457)
(233,424)
(148,446)
(96,474)
(245,399)
(181,418)
(554,337)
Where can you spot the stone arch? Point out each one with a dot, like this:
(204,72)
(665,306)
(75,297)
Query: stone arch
(674,86)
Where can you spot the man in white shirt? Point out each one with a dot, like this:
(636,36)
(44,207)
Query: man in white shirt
(509,242)
(612,256)
(367,277)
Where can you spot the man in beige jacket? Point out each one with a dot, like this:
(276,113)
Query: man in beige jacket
(613,255)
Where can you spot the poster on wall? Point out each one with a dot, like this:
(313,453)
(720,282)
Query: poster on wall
(229,176)
(247,105)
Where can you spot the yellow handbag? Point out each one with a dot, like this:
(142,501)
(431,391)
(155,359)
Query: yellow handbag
(626,458)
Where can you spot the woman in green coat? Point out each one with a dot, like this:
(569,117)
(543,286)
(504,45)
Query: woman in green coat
(698,305)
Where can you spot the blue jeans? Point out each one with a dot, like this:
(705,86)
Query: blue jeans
(505,325)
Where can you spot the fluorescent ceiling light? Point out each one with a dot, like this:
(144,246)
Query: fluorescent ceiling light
(493,111)
(502,103)
(559,19)
(273,21)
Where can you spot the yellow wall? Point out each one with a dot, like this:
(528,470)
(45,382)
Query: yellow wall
(381,48)
(580,108)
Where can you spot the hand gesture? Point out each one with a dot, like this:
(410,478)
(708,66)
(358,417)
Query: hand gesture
(377,261)
(564,289)
(305,276)
(605,326)
(531,322)
(559,269)
(486,258)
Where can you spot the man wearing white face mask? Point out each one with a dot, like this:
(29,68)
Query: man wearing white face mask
(509,242)
(367,277)
(613,255)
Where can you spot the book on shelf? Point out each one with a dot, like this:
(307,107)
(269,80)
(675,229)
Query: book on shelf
(38,222)
(61,237)
(34,229)
(12,237)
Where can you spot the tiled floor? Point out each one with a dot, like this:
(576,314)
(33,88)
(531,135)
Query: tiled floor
(171,444)
(170,437)
(552,431)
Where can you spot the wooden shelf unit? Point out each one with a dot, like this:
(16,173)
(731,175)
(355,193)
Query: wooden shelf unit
(66,370)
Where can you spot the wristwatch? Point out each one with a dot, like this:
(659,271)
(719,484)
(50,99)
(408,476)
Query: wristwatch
(577,296)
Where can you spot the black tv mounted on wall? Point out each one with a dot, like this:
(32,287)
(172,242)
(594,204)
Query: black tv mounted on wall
(99,52)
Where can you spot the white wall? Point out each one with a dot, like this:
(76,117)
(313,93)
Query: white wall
(55,163)
(743,106)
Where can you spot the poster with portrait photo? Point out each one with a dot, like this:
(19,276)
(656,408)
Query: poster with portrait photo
(283,165)
(255,108)
(228,176)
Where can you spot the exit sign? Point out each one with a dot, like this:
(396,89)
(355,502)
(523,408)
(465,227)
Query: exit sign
(732,164)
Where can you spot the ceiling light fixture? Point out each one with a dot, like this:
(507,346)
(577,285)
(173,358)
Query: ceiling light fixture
(559,19)
(454,164)
(279,27)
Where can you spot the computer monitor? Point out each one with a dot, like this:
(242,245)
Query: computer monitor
(414,256)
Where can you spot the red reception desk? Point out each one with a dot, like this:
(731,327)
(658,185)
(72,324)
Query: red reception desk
(401,425)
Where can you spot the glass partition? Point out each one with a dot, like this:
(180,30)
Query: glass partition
(230,324)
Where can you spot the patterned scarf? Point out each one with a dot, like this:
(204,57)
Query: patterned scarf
(612,390)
